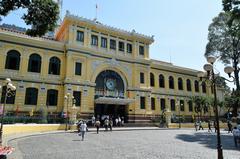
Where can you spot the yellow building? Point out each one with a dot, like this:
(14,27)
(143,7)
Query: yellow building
(106,69)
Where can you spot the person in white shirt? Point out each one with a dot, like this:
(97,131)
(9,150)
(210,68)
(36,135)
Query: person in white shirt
(83,129)
(236,135)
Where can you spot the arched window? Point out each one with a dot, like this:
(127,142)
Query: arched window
(34,63)
(189,88)
(10,99)
(13,60)
(161,81)
(171,82)
(181,105)
(162,101)
(31,96)
(172,103)
(151,79)
(196,85)
(204,89)
(52,97)
(54,66)
(180,84)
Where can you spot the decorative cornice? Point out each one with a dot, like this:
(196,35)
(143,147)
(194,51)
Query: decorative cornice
(107,27)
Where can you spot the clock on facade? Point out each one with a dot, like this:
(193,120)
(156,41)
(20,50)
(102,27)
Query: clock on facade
(110,84)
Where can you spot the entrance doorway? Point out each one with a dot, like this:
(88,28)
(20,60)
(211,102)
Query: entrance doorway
(114,111)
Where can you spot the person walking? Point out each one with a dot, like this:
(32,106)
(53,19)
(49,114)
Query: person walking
(106,123)
(200,125)
(209,126)
(83,129)
(93,120)
(229,126)
(116,121)
(97,125)
(110,124)
(196,125)
(215,125)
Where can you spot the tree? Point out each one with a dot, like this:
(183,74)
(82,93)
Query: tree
(42,15)
(202,105)
(224,42)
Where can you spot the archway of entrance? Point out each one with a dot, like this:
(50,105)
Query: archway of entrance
(110,96)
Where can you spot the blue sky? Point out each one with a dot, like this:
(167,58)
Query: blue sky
(180,27)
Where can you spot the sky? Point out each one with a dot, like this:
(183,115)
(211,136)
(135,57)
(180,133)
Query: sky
(180,27)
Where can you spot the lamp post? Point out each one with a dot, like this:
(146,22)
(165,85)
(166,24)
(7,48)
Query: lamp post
(210,76)
(180,105)
(9,91)
(68,97)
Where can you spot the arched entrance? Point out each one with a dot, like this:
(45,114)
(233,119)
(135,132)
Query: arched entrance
(110,96)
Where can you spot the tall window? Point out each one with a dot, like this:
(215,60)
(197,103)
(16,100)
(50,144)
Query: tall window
(112,44)
(77,97)
(189,88)
(190,106)
(196,85)
(94,40)
(54,66)
(52,97)
(141,50)
(10,99)
(121,46)
(171,82)
(180,84)
(142,102)
(13,60)
(78,68)
(153,103)
(141,77)
(80,36)
(34,63)
(103,42)
(204,89)
(172,103)
(129,48)
(31,96)
(161,81)
(162,101)
(151,79)
(181,105)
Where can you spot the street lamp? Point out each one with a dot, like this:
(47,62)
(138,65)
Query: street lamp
(9,92)
(210,76)
(68,97)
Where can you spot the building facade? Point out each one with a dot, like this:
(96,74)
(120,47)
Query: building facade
(107,70)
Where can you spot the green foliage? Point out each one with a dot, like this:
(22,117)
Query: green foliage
(42,15)
(224,42)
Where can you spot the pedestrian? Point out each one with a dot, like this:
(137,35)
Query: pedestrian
(119,121)
(106,123)
(83,129)
(209,126)
(196,125)
(79,123)
(200,125)
(93,120)
(110,124)
(97,125)
(229,126)
(236,135)
(215,125)
(122,123)
(116,121)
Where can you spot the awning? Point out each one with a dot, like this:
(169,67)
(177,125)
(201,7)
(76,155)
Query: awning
(116,101)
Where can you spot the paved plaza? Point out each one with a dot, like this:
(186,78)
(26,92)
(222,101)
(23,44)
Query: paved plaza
(135,144)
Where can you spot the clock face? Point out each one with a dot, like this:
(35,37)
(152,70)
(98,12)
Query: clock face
(110,84)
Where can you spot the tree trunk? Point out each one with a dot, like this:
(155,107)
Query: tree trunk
(237,92)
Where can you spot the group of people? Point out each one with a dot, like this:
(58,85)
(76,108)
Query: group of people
(107,122)
(198,125)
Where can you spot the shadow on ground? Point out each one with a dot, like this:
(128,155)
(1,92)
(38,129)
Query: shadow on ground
(210,140)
